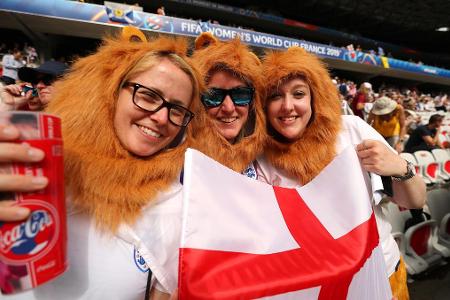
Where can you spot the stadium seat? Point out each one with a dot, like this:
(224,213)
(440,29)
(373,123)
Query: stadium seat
(411,158)
(429,167)
(443,138)
(422,244)
(442,157)
(397,219)
(419,245)
(438,201)
(445,130)
(399,238)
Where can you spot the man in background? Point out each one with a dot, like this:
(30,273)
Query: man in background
(11,63)
(425,137)
(18,97)
(360,99)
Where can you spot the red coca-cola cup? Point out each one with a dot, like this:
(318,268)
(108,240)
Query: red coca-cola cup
(34,251)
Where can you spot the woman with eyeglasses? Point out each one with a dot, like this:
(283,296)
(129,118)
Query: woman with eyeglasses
(307,131)
(233,133)
(125,112)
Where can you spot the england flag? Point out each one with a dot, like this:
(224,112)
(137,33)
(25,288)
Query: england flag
(244,239)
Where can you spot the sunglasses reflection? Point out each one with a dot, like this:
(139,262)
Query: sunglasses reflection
(241,96)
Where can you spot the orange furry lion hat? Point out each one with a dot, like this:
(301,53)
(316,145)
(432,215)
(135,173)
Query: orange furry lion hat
(213,55)
(102,178)
(306,157)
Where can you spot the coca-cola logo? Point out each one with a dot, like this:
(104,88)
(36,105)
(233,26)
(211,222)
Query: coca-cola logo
(24,241)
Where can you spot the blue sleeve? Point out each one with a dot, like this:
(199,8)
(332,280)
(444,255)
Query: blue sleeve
(423,131)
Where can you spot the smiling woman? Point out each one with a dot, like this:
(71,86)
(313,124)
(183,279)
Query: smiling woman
(289,108)
(149,123)
(307,131)
(125,130)
(233,130)
(230,129)
(228,116)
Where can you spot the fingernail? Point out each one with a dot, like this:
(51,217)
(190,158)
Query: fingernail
(22,212)
(39,180)
(9,131)
(36,154)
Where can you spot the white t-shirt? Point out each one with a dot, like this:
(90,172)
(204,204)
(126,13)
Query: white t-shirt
(106,266)
(354,131)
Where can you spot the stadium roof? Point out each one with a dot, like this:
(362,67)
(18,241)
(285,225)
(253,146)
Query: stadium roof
(77,19)
(411,24)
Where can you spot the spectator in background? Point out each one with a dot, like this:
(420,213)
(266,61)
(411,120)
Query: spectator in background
(41,78)
(345,108)
(412,120)
(160,11)
(429,104)
(351,89)
(343,96)
(425,137)
(420,105)
(439,103)
(11,63)
(343,88)
(361,97)
(409,103)
(388,118)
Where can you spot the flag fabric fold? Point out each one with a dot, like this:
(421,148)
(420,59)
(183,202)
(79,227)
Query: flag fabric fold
(243,239)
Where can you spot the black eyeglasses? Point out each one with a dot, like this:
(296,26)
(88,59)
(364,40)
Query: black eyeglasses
(240,96)
(150,100)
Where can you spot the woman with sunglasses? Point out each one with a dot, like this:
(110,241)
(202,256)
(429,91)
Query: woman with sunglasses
(36,90)
(233,132)
(307,131)
(124,129)
(42,79)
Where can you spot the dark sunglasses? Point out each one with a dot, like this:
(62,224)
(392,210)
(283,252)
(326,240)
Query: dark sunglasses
(46,79)
(240,96)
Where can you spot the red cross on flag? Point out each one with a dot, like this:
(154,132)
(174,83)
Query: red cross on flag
(243,239)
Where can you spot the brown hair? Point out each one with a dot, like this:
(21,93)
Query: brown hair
(305,158)
(436,118)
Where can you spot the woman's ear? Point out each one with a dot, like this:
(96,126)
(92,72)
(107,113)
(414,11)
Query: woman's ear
(133,34)
(204,40)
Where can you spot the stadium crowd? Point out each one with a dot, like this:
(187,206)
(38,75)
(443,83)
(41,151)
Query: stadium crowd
(409,120)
